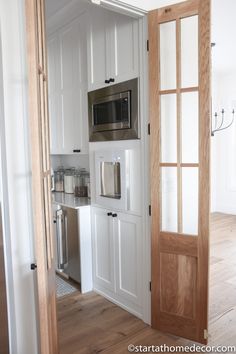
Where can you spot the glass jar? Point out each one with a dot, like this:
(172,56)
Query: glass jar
(87,183)
(81,189)
(59,179)
(69,185)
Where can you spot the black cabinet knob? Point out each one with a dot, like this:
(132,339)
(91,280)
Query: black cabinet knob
(114,215)
(112,79)
(109,214)
(107,81)
(77,150)
(54,221)
(33,266)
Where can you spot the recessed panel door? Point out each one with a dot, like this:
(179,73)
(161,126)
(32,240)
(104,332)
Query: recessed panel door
(179,66)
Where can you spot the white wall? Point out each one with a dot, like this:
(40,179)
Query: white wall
(224,146)
(16,180)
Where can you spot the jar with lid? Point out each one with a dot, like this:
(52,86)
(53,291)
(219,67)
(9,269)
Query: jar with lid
(87,183)
(59,179)
(69,185)
(80,183)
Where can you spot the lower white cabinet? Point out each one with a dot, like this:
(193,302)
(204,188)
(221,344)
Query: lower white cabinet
(117,258)
(103,249)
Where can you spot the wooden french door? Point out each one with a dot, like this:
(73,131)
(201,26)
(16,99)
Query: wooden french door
(41,174)
(179,67)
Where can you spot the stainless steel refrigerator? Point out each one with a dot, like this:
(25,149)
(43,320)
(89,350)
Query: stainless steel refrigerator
(67,241)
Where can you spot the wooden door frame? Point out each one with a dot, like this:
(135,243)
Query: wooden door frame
(45,322)
(204,157)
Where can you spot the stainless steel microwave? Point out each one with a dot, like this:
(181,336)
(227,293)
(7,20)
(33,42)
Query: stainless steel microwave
(113,112)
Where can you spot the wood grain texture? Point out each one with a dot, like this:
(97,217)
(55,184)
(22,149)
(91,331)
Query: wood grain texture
(171,256)
(178,285)
(184,9)
(91,324)
(155,153)
(39,136)
(204,162)
(4,335)
(182,90)
(178,244)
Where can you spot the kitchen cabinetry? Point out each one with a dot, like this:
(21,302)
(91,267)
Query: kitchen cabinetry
(117,261)
(67,64)
(113,48)
(103,248)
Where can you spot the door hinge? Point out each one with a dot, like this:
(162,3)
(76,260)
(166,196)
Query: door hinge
(150,286)
(150,210)
(149,129)
(205,333)
(147,45)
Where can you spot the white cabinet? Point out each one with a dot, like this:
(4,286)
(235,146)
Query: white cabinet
(103,249)
(68,90)
(127,232)
(113,48)
(117,261)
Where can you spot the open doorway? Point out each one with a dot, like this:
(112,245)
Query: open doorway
(113,230)
(99,235)
(223,168)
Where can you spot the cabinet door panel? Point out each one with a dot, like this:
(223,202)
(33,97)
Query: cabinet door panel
(98,41)
(70,88)
(103,249)
(54,92)
(128,257)
(124,48)
(67,87)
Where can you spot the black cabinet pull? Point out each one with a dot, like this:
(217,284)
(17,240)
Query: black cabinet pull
(107,81)
(76,150)
(33,266)
(109,214)
(112,79)
(114,215)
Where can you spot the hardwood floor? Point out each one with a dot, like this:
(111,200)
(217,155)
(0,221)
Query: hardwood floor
(91,324)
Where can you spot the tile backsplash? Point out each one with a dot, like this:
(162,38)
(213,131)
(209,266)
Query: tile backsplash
(66,161)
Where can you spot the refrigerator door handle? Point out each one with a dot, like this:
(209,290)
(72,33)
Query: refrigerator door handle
(66,239)
(62,249)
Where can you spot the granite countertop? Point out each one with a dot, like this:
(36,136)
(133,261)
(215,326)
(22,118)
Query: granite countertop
(69,200)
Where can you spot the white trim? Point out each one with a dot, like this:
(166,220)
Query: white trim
(121,7)
(4,205)
(144,113)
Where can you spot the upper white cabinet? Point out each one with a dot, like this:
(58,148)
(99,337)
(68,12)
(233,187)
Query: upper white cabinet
(67,62)
(113,48)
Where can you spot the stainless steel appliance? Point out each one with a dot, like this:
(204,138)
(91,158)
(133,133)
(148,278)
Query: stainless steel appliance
(113,112)
(110,180)
(67,241)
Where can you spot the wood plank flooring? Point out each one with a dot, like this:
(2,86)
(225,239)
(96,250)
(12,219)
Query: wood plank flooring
(91,324)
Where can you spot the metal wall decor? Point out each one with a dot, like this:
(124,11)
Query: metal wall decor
(218,124)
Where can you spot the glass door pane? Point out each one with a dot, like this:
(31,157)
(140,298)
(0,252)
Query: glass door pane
(189,51)
(168,55)
(169,199)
